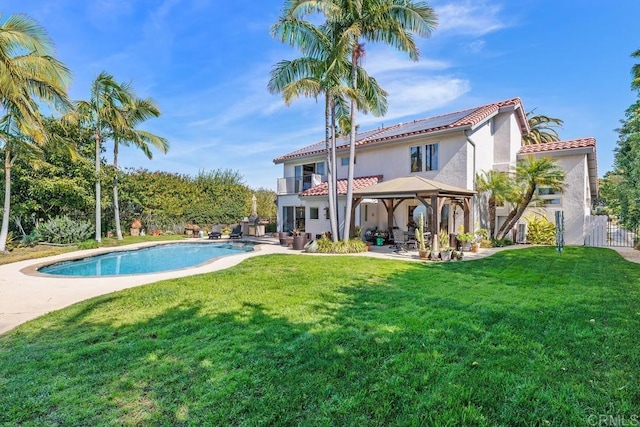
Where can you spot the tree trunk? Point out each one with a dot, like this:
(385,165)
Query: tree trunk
(98,213)
(4,231)
(330,170)
(516,213)
(334,178)
(116,207)
(492,217)
(352,147)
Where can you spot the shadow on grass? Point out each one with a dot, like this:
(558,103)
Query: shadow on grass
(387,343)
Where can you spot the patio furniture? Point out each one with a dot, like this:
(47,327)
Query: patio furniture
(236,233)
(399,240)
(216,232)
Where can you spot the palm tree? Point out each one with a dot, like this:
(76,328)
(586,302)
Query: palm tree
(138,111)
(29,73)
(500,189)
(542,129)
(104,113)
(393,22)
(531,174)
(390,21)
(322,70)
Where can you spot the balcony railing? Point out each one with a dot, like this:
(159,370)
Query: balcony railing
(295,185)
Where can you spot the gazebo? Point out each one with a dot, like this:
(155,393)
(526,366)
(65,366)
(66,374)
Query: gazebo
(430,193)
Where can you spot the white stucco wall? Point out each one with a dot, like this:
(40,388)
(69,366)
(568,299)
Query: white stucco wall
(575,200)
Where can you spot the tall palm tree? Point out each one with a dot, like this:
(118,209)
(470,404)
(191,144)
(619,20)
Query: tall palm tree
(28,73)
(323,69)
(104,114)
(138,111)
(390,21)
(531,174)
(542,129)
(393,22)
(500,189)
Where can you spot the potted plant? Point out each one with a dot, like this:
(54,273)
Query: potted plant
(480,235)
(299,240)
(136,225)
(445,249)
(465,240)
(419,232)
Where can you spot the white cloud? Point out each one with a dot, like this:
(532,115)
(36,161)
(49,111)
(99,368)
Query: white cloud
(419,97)
(388,61)
(474,18)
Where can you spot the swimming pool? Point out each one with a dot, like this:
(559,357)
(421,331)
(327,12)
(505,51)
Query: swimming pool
(153,259)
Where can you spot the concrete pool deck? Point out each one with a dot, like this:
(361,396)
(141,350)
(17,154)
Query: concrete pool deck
(25,295)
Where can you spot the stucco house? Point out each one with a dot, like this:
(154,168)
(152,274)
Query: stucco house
(429,165)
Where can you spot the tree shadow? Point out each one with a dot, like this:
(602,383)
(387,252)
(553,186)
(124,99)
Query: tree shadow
(411,345)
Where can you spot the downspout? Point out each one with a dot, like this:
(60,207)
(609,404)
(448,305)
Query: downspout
(475,196)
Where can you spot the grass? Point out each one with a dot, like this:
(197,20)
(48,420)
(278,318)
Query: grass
(41,251)
(524,337)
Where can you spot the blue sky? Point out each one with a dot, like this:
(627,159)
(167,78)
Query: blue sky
(207,63)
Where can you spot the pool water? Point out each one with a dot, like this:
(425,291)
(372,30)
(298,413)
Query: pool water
(153,259)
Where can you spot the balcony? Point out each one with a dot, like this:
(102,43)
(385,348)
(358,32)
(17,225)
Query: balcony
(295,185)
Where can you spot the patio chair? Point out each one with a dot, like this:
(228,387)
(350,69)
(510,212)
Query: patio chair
(399,240)
(236,233)
(216,232)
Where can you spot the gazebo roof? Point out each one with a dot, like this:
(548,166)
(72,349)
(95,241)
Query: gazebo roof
(411,186)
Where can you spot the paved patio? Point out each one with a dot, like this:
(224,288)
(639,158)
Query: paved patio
(25,295)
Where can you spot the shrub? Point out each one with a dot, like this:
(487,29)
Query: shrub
(63,230)
(327,246)
(29,240)
(541,231)
(498,243)
(88,244)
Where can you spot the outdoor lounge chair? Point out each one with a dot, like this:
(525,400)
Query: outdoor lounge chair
(399,240)
(216,232)
(236,233)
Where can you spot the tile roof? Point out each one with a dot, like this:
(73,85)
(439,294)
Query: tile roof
(564,147)
(456,120)
(358,184)
(558,145)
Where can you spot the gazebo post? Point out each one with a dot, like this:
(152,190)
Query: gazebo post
(435,220)
(354,205)
(466,206)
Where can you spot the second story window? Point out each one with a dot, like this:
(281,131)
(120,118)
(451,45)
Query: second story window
(344,161)
(416,159)
(431,157)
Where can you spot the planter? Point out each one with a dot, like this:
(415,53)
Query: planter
(283,241)
(311,247)
(465,246)
(445,255)
(474,247)
(423,254)
(299,242)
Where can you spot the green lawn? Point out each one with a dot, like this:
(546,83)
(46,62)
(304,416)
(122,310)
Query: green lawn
(525,337)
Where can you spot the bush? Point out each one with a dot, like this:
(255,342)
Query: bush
(88,244)
(541,231)
(63,230)
(327,246)
(498,243)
